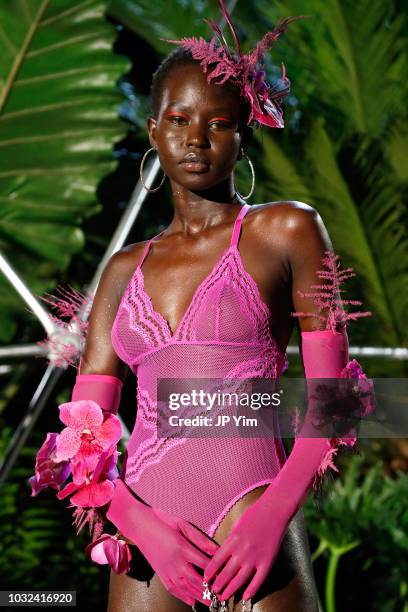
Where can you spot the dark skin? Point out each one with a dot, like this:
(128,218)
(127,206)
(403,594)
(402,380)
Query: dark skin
(281,245)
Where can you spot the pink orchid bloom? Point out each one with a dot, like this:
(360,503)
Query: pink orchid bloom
(92,494)
(49,472)
(98,488)
(352,370)
(87,434)
(112,550)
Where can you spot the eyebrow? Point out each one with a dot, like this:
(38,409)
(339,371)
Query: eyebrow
(188,108)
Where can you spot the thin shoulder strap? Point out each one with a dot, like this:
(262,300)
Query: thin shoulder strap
(146,249)
(234,239)
(237,224)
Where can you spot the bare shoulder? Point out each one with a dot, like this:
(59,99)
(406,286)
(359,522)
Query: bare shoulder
(289,214)
(120,267)
(293,222)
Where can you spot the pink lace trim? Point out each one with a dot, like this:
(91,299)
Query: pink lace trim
(234,501)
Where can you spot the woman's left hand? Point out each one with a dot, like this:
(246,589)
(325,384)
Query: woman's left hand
(249,550)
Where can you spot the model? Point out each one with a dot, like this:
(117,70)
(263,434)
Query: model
(204,521)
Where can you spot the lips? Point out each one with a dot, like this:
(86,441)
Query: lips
(193,158)
(195,167)
(192,162)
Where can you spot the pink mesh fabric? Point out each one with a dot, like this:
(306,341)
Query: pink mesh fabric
(225,333)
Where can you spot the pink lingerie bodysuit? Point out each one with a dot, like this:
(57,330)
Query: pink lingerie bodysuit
(225,333)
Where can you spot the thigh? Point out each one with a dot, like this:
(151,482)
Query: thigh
(140,590)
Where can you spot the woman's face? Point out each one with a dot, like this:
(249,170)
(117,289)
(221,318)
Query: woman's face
(197,118)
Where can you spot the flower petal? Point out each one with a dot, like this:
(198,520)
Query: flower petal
(110,432)
(80,471)
(272,116)
(86,413)
(96,550)
(65,414)
(48,472)
(67,444)
(70,488)
(94,495)
(118,554)
(88,454)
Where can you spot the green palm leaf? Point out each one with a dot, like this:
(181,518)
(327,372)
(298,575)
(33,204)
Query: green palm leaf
(352,57)
(152,20)
(396,148)
(58,121)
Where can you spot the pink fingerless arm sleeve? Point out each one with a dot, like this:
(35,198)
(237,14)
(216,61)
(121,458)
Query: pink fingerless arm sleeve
(103,389)
(325,355)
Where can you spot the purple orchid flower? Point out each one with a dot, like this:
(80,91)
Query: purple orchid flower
(49,471)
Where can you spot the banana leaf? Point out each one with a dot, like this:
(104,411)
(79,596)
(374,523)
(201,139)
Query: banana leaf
(58,122)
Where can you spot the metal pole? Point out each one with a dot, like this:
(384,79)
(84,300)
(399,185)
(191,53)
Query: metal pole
(35,306)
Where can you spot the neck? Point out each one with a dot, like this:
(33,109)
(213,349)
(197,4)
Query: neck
(196,211)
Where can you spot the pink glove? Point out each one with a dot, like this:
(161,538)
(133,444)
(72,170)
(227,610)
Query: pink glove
(169,543)
(247,554)
(103,389)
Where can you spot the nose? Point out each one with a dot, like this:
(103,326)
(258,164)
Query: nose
(197,134)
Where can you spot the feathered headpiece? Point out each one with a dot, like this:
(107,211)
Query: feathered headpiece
(244,70)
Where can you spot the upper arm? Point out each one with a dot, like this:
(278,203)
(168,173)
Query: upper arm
(99,356)
(307,241)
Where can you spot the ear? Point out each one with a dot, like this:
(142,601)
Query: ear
(151,126)
(247,135)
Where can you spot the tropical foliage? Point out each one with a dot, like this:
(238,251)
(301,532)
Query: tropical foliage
(361,529)
(58,120)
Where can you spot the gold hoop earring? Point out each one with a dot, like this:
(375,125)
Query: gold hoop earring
(253,176)
(141,172)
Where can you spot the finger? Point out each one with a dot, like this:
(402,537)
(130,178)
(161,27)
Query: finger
(199,539)
(194,591)
(255,584)
(193,555)
(225,576)
(237,582)
(193,576)
(219,559)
